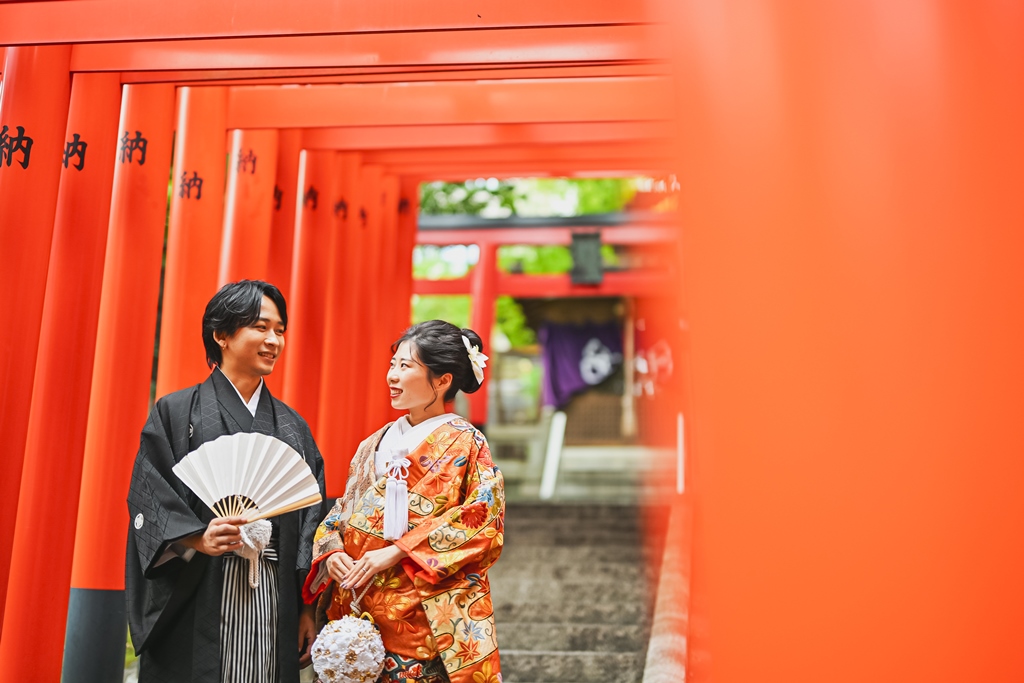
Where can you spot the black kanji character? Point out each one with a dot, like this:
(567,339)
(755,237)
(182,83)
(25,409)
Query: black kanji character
(75,148)
(247,162)
(130,145)
(310,197)
(185,190)
(11,145)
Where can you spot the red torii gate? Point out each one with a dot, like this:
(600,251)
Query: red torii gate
(573,89)
(851,196)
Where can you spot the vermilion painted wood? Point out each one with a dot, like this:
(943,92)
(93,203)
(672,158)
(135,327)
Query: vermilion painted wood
(248,205)
(388,328)
(589,168)
(851,175)
(409,73)
(365,377)
(645,231)
(72,21)
(543,100)
(60,397)
(36,90)
(500,154)
(442,137)
(119,395)
(193,236)
(409,211)
(563,45)
(318,179)
(483,292)
(642,283)
(282,231)
(338,394)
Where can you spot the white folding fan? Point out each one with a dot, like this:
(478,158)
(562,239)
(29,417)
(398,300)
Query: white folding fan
(249,475)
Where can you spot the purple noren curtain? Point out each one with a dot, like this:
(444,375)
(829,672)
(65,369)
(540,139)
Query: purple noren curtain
(577,357)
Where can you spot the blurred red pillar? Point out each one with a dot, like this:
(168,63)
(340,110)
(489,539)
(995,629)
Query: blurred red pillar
(282,229)
(193,236)
(367,376)
(483,288)
(338,394)
(248,205)
(390,292)
(33,114)
(121,381)
(318,175)
(851,178)
(408,217)
(60,398)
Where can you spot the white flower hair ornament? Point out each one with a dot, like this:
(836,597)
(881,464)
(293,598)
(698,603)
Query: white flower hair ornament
(476,359)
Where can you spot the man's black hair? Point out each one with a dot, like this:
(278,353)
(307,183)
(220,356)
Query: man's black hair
(235,306)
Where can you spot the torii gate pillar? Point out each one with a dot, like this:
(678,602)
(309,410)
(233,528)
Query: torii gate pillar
(33,113)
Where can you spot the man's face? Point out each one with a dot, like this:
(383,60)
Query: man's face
(253,350)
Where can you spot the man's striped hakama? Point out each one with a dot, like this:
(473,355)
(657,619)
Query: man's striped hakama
(248,626)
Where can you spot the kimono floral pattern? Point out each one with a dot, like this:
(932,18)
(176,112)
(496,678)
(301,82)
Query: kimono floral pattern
(436,602)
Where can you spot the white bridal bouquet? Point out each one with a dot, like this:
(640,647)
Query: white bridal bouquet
(348,650)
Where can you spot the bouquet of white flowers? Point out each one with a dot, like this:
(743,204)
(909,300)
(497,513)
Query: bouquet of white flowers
(349,650)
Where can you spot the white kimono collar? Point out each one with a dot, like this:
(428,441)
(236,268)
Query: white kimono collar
(404,436)
(392,458)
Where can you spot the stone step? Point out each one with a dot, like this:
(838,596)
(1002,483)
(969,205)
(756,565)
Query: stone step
(537,554)
(584,611)
(515,520)
(618,572)
(541,526)
(572,593)
(571,666)
(566,637)
(540,590)
(582,537)
(573,513)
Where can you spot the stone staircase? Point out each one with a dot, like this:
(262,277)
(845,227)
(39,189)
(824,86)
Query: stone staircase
(573,593)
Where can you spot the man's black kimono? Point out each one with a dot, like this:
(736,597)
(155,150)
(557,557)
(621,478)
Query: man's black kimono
(174,608)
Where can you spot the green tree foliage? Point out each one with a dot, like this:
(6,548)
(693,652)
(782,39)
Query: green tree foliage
(456,308)
(469,198)
(451,307)
(510,320)
(528,196)
(532,196)
(534,259)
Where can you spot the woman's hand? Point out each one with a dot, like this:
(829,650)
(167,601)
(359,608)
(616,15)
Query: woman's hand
(221,536)
(338,565)
(371,563)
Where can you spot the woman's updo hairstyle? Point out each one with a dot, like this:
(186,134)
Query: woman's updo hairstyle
(440,348)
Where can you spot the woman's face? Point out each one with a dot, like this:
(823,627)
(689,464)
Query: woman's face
(410,383)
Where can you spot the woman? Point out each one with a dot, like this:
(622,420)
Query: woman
(421,521)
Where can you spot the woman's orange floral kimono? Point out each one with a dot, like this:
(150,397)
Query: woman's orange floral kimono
(437,601)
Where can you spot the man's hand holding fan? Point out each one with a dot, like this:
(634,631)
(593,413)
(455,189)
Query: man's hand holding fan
(245,478)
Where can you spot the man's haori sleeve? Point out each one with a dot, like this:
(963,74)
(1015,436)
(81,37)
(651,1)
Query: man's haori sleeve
(159,515)
(159,512)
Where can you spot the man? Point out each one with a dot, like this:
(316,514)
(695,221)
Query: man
(192,613)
